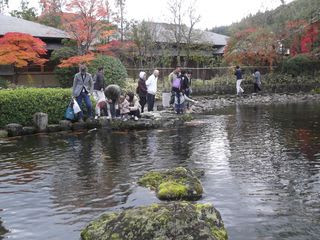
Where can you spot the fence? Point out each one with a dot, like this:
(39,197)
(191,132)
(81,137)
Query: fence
(197,73)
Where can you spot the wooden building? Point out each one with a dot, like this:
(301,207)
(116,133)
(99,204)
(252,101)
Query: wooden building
(33,75)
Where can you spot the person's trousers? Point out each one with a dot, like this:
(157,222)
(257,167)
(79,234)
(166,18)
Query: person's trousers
(256,87)
(84,96)
(143,101)
(239,88)
(179,108)
(135,113)
(150,101)
(187,93)
(112,109)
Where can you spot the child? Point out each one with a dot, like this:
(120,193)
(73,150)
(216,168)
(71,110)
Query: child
(101,104)
(124,107)
(179,102)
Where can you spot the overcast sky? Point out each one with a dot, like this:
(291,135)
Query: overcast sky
(213,12)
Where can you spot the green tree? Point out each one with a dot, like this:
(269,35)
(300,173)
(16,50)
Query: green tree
(25,12)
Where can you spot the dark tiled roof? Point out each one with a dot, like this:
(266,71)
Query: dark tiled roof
(13,24)
(164,32)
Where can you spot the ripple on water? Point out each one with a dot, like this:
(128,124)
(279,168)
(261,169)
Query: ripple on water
(262,173)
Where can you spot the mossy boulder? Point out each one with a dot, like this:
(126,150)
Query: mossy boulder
(176,220)
(173,184)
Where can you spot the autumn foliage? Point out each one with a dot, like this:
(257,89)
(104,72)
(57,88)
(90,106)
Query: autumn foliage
(302,37)
(252,46)
(86,22)
(116,48)
(76,60)
(20,49)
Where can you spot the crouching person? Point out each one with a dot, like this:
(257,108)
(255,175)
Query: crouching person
(82,88)
(179,102)
(112,94)
(134,105)
(124,108)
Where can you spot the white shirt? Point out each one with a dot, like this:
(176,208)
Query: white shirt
(152,84)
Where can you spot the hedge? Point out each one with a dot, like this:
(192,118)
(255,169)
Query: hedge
(114,70)
(19,105)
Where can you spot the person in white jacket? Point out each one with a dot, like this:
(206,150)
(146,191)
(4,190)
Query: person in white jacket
(151,84)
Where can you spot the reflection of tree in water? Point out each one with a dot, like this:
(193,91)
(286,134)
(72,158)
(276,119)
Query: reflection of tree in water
(26,156)
(181,144)
(266,155)
(92,173)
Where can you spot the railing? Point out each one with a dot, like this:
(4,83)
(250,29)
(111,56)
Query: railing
(198,73)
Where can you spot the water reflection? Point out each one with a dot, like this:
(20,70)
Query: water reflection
(2,230)
(262,172)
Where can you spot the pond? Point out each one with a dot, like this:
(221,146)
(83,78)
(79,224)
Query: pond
(262,172)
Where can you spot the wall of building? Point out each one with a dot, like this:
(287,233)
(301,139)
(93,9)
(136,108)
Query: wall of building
(34,79)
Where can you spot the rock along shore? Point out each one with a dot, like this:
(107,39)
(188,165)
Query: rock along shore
(215,102)
(166,118)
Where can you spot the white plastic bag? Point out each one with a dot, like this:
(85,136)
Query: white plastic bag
(76,107)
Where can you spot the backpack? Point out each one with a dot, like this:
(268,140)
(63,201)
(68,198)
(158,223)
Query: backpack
(176,83)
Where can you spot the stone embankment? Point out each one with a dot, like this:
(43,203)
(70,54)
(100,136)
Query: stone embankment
(160,119)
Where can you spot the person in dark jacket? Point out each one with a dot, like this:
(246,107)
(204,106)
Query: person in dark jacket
(238,74)
(142,90)
(82,88)
(98,91)
(99,84)
(186,85)
(112,94)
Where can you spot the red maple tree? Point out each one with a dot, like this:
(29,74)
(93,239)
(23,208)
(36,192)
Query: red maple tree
(301,36)
(20,49)
(76,60)
(252,46)
(86,22)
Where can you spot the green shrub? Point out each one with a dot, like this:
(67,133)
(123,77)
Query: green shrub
(19,105)
(114,71)
(4,83)
(65,76)
(300,65)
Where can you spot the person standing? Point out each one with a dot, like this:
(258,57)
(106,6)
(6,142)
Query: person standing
(151,84)
(142,90)
(239,78)
(82,88)
(185,84)
(257,80)
(98,90)
(171,78)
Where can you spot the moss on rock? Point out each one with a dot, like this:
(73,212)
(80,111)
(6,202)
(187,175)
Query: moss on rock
(173,184)
(176,220)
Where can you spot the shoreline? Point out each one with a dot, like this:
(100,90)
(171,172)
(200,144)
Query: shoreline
(165,118)
(207,104)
